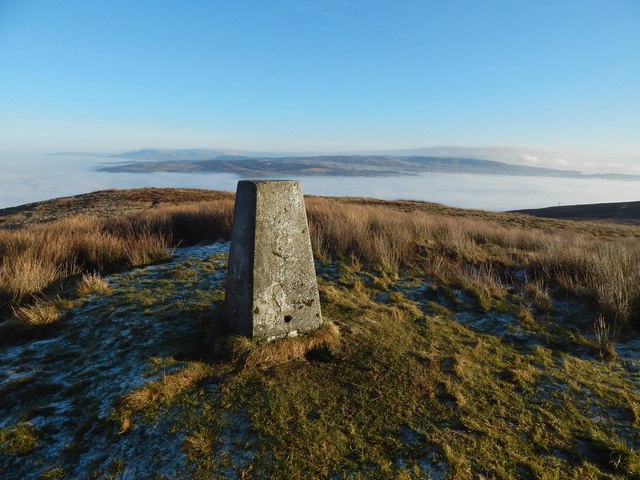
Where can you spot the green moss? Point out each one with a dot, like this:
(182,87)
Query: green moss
(53,473)
(18,439)
(526,319)
(116,466)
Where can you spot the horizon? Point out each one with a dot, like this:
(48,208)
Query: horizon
(296,75)
(27,178)
(544,84)
(525,155)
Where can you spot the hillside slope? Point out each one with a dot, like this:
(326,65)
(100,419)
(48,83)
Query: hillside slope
(612,212)
(104,203)
(458,344)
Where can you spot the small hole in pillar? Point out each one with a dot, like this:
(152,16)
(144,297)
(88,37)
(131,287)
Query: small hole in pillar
(287,318)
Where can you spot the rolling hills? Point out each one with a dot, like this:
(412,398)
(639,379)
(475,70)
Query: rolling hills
(199,161)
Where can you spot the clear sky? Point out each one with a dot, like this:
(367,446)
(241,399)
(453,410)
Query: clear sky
(320,74)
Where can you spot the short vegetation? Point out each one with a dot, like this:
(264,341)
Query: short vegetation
(457,344)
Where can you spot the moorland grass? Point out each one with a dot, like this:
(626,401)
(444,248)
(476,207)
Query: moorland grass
(406,395)
(92,283)
(158,393)
(409,391)
(35,315)
(33,259)
(482,255)
(264,355)
(482,252)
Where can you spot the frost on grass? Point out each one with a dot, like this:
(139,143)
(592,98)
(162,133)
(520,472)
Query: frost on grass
(423,385)
(65,387)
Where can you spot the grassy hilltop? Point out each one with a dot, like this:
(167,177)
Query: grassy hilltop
(457,344)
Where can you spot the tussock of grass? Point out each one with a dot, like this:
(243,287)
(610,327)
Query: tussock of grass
(526,319)
(537,295)
(36,315)
(283,350)
(198,445)
(605,339)
(482,283)
(92,283)
(26,271)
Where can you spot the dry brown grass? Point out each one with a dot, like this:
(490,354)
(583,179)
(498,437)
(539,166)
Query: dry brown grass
(605,339)
(35,315)
(537,295)
(156,393)
(476,252)
(248,353)
(483,282)
(185,224)
(471,249)
(35,258)
(92,283)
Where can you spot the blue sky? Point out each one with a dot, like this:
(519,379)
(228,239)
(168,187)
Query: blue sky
(322,75)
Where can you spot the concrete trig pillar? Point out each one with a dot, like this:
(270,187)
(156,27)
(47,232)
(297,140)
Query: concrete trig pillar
(271,289)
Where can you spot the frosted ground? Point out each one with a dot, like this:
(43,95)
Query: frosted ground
(99,352)
(148,326)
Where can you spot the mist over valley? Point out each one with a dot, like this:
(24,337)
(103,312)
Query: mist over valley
(35,177)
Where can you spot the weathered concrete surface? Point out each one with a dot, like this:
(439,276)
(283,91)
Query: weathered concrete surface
(271,289)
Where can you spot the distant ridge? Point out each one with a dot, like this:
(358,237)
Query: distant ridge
(628,212)
(244,164)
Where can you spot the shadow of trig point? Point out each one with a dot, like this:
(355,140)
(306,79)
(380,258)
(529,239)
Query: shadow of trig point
(271,290)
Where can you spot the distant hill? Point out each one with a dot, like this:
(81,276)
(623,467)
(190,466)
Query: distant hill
(619,212)
(168,154)
(335,165)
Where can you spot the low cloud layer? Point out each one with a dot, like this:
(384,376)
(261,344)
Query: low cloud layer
(26,179)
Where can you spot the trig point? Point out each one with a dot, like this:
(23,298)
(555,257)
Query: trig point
(272,289)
